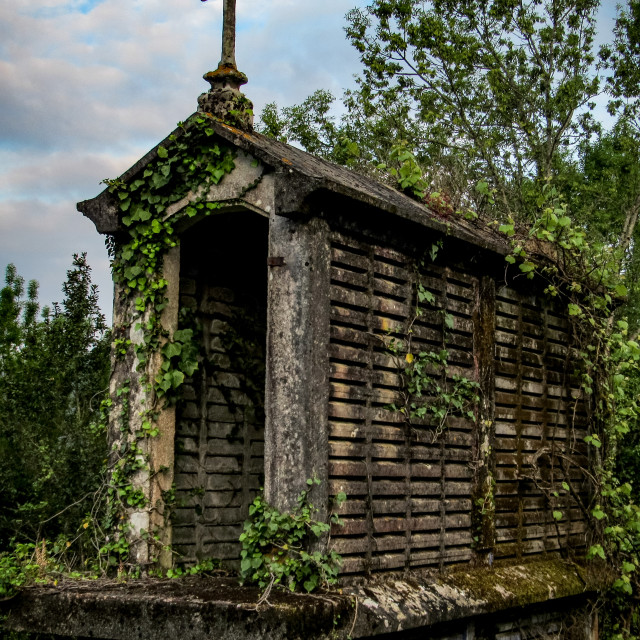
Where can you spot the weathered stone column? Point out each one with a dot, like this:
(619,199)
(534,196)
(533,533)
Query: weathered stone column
(296,430)
(131,389)
(483,506)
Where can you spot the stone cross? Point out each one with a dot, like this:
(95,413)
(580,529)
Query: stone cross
(229,33)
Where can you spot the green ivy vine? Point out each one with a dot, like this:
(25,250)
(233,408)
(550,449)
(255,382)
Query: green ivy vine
(274,546)
(428,390)
(185,168)
(585,278)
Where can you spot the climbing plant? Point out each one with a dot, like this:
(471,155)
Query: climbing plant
(275,546)
(173,186)
(585,278)
(429,391)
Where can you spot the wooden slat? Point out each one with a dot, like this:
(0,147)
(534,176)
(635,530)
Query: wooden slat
(398,488)
(397,452)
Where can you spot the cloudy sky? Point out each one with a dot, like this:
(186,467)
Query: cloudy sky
(88,86)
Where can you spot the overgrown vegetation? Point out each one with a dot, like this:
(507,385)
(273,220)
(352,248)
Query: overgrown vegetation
(429,391)
(488,110)
(276,546)
(54,419)
(480,109)
(54,369)
(190,164)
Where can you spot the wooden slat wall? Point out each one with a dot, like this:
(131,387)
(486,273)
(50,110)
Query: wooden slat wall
(409,496)
(219,439)
(540,423)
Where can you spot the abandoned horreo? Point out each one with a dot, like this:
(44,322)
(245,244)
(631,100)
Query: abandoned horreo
(314,294)
(336,330)
(301,286)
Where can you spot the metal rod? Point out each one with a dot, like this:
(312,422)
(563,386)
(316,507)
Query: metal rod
(229,33)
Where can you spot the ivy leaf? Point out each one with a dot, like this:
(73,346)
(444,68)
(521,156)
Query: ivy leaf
(621,290)
(311,583)
(172,349)
(183,335)
(162,152)
(177,378)
(189,367)
(557,515)
(596,550)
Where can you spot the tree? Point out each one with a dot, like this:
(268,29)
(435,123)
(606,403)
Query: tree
(498,90)
(53,375)
(497,94)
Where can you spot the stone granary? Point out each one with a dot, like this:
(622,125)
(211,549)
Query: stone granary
(313,269)
(298,282)
(312,291)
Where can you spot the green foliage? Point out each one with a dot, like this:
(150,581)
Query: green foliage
(275,546)
(53,374)
(17,569)
(584,274)
(312,125)
(205,567)
(404,168)
(622,57)
(191,163)
(187,167)
(429,390)
(484,79)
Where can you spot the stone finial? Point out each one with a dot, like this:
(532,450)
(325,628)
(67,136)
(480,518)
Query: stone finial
(224,100)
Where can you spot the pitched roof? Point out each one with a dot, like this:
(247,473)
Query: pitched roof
(308,174)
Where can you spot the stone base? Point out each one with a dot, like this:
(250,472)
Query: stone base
(536,600)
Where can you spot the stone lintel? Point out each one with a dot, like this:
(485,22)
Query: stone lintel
(248,186)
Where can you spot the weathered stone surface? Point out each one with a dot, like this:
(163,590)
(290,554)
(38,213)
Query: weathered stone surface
(199,609)
(299,174)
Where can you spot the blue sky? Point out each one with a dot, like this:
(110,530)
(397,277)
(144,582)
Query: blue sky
(88,86)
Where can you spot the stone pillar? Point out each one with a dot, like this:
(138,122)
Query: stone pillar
(131,389)
(483,506)
(296,429)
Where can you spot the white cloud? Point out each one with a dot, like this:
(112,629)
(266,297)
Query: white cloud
(88,86)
